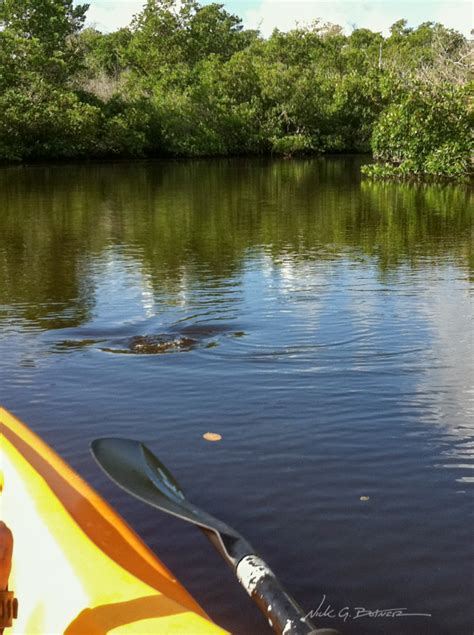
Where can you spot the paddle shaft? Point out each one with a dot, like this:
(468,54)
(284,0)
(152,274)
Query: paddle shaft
(283,613)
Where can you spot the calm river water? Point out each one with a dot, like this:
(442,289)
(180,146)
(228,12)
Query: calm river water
(321,325)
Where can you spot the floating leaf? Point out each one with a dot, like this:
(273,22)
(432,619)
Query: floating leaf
(212,436)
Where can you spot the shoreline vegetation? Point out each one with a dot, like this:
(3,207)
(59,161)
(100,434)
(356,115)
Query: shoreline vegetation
(192,82)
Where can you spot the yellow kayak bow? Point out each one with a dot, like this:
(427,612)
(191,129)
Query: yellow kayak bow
(77,567)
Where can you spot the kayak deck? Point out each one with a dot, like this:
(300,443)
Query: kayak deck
(77,566)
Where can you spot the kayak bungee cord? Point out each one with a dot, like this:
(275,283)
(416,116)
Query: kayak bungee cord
(132,466)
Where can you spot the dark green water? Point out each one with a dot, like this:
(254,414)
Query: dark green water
(322,325)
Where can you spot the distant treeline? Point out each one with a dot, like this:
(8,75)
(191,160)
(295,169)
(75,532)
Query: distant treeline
(191,81)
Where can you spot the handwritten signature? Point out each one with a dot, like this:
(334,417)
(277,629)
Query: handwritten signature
(357,612)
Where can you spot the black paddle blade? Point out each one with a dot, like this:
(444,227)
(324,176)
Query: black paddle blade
(132,466)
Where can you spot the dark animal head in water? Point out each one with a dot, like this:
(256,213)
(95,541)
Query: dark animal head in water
(156,344)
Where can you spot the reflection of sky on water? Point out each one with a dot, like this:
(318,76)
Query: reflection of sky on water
(448,309)
(125,292)
(122,288)
(414,324)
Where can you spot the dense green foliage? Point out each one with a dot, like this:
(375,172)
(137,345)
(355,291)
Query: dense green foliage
(425,132)
(192,82)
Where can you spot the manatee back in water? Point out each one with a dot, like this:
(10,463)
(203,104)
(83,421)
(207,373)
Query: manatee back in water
(176,339)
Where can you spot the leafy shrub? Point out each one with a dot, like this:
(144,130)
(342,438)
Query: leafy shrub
(450,159)
(46,123)
(292,144)
(426,133)
(129,128)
